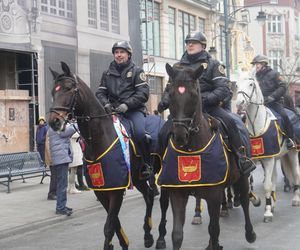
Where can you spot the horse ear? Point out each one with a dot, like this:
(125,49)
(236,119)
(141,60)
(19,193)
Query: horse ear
(65,68)
(198,72)
(54,73)
(170,70)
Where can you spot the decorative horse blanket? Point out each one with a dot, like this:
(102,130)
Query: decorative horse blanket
(205,167)
(267,144)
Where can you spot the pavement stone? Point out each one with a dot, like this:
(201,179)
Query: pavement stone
(27,208)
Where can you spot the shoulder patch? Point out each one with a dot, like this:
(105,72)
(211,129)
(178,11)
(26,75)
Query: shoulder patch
(143,77)
(204,65)
(129,74)
(221,69)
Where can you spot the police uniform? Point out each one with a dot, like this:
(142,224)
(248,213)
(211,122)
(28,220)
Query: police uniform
(272,85)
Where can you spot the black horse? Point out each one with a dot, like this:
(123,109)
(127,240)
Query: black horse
(72,98)
(192,132)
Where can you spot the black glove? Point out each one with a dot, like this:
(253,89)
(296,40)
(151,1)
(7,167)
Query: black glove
(108,108)
(269,99)
(161,107)
(122,108)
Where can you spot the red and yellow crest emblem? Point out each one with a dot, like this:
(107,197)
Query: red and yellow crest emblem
(189,168)
(257,146)
(96,174)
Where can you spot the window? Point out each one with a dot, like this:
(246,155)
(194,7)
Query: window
(274,23)
(202,25)
(296,28)
(172,33)
(156,85)
(150,27)
(104,25)
(186,24)
(222,44)
(61,8)
(92,13)
(275,59)
(115,21)
(110,15)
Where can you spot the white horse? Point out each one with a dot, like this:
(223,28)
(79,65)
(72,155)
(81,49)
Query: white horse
(250,99)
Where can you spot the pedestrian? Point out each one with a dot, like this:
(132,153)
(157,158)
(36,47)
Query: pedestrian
(214,90)
(124,88)
(41,132)
(61,155)
(273,89)
(77,161)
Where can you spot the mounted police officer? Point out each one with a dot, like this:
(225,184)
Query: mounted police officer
(214,90)
(273,89)
(124,88)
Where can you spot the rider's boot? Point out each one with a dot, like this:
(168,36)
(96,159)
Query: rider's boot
(245,164)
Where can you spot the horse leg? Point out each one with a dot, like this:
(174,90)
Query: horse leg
(229,198)
(178,198)
(268,165)
(111,202)
(243,186)
(164,204)
(224,207)
(214,200)
(197,219)
(148,195)
(291,168)
(252,196)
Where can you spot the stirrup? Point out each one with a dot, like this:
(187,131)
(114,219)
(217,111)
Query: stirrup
(290,143)
(146,172)
(246,165)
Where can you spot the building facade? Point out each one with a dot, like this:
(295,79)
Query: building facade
(38,34)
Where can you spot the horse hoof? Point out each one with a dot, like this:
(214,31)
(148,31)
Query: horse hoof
(160,244)
(224,213)
(125,248)
(251,236)
(287,188)
(255,202)
(236,202)
(148,242)
(197,220)
(268,219)
(214,248)
(295,203)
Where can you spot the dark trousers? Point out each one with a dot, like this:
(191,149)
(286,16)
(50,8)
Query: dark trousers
(233,132)
(62,184)
(287,125)
(53,181)
(139,123)
(41,150)
(80,176)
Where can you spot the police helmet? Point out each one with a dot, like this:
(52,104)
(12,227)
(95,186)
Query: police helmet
(196,36)
(122,45)
(260,59)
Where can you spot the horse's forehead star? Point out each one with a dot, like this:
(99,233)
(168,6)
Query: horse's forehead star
(181,89)
(57,88)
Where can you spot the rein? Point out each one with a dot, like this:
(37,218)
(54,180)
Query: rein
(183,121)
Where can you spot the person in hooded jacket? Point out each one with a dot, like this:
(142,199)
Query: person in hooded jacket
(214,90)
(41,132)
(273,89)
(125,90)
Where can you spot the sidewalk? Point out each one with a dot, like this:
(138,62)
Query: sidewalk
(27,208)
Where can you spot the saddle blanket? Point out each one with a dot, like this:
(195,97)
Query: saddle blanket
(205,167)
(111,170)
(267,144)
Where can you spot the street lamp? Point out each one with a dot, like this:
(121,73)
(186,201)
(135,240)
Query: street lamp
(260,18)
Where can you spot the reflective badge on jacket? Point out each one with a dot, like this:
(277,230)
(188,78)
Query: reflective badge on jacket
(96,174)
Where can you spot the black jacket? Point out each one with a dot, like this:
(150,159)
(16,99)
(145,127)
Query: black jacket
(129,87)
(213,82)
(271,83)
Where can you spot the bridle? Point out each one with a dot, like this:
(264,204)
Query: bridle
(70,109)
(248,99)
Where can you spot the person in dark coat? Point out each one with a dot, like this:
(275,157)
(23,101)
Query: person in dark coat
(273,89)
(124,88)
(41,132)
(214,90)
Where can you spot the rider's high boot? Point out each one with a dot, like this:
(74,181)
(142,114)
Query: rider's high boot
(245,164)
(146,168)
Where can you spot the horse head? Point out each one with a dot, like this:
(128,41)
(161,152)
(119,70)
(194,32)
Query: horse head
(64,94)
(185,102)
(248,92)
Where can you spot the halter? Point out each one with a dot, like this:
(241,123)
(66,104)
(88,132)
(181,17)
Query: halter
(187,123)
(249,97)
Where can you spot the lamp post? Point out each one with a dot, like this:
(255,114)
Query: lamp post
(260,18)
